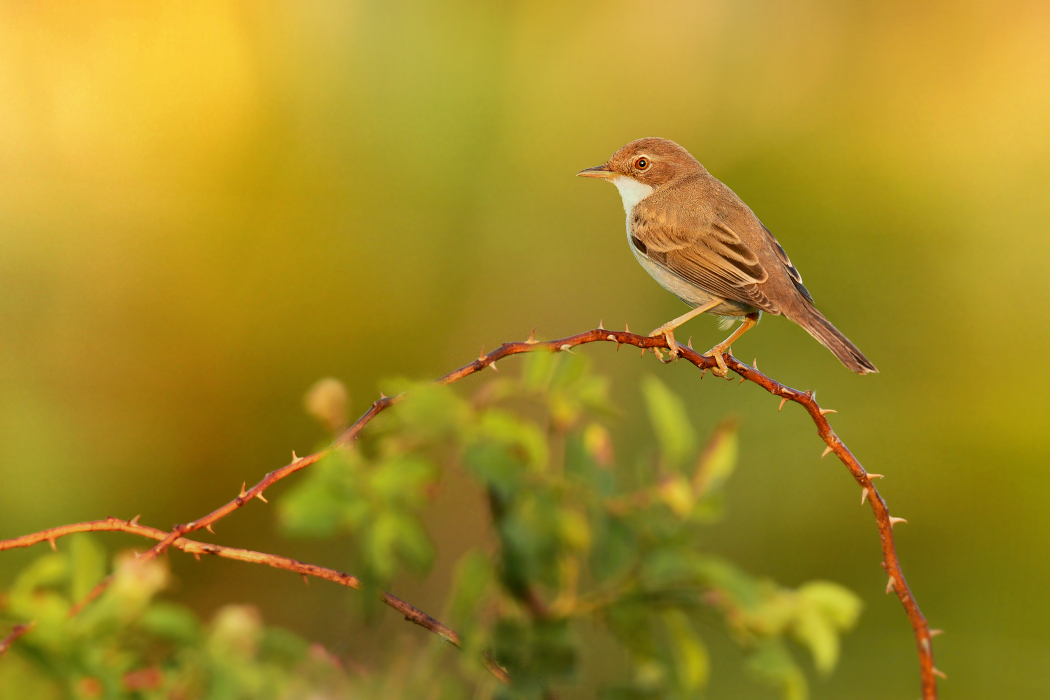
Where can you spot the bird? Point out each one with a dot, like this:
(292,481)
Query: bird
(699,240)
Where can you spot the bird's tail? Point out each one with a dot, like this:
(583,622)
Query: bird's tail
(820,328)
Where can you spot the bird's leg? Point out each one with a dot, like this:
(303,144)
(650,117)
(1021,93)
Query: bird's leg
(667,330)
(716,352)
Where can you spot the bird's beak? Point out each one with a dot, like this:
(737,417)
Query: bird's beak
(602,171)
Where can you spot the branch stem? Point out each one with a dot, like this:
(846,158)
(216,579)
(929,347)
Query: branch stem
(890,561)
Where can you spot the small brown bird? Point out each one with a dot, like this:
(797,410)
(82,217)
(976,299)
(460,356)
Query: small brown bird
(705,246)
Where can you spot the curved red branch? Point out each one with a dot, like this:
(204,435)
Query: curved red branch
(890,563)
(111,524)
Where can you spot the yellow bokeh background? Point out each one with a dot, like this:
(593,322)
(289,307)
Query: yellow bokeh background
(206,206)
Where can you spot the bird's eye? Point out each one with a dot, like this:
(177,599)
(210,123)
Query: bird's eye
(641,163)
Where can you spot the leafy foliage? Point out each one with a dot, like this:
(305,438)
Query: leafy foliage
(587,551)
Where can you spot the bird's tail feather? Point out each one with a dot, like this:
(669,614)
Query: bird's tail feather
(830,337)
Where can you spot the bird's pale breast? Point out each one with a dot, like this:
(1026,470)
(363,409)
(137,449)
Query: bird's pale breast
(632,192)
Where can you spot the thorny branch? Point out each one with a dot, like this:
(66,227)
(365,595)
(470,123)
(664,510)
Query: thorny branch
(896,582)
(195,548)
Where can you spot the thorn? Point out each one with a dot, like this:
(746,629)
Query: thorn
(690,343)
(494,367)
(243,484)
(567,348)
(743,379)
(295,457)
(531,340)
(890,587)
(782,402)
(600,326)
(208,528)
(825,452)
(934,633)
(261,497)
(864,495)
(612,337)
(894,521)
(643,352)
(197,556)
(812,394)
(874,476)
(305,579)
(135,520)
(54,547)
(826,411)
(626,328)
(382,396)
(939,672)
(481,357)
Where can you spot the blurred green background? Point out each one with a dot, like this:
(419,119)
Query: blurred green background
(206,206)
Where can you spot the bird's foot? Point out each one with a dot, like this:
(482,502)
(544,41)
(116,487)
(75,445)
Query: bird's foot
(716,352)
(672,346)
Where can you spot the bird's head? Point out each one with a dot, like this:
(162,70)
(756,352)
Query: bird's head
(643,166)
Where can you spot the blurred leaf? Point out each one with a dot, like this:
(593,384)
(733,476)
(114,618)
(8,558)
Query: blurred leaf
(839,605)
(677,494)
(48,570)
(536,370)
(690,655)
(317,506)
(534,653)
(772,664)
(171,622)
(433,412)
(717,459)
(404,479)
(88,563)
(473,580)
(668,417)
(574,530)
(395,536)
(236,632)
(824,609)
(615,548)
(523,438)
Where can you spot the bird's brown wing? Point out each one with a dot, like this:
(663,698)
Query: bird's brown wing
(793,273)
(709,255)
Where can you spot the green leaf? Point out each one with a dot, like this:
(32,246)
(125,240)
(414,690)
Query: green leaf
(717,460)
(433,412)
(323,501)
(536,370)
(690,656)
(473,581)
(396,536)
(574,530)
(677,494)
(773,665)
(522,437)
(48,570)
(175,623)
(615,547)
(839,605)
(824,608)
(403,479)
(88,564)
(668,417)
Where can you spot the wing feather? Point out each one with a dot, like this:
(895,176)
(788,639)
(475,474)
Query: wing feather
(717,260)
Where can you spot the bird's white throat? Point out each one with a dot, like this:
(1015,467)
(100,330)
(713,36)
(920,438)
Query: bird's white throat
(631,191)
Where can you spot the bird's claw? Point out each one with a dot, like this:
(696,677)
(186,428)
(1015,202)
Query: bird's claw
(716,352)
(672,345)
